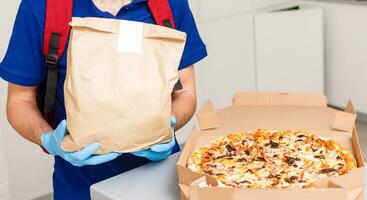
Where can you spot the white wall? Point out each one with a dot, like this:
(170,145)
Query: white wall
(29,168)
(4,179)
(345,51)
(214,9)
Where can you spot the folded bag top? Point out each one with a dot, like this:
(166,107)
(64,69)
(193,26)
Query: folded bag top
(113,26)
(119,82)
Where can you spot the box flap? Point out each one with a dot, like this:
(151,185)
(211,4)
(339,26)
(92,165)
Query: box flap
(185,175)
(298,99)
(350,181)
(250,118)
(251,99)
(344,121)
(349,108)
(355,193)
(208,120)
(352,194)
(207,117)
(184,190)
(207,107)
(279,99)
(357,150)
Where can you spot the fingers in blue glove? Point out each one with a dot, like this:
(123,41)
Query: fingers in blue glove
(86,156)
(61,130)
(159,148)
(161,157)
(51,140)
(86,152)
(96,160)
(153,156)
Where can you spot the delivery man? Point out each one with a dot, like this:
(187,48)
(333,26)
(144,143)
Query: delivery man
(23,67)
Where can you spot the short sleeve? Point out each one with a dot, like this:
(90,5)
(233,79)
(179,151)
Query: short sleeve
(195,49)
(22,64)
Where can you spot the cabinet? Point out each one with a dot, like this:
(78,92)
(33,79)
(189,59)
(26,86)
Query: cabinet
(289,51)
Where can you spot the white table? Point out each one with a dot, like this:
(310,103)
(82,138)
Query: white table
(152,181)
(155,181)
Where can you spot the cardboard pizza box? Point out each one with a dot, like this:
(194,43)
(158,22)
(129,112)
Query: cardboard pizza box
(274,111)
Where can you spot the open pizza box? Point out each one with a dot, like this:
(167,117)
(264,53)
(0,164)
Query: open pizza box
(274,111)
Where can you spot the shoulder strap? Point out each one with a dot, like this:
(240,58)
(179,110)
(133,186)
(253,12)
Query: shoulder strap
(162,14)
(58,16)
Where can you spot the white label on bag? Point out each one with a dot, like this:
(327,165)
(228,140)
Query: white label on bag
(130,37)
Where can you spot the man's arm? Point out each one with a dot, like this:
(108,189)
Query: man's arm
(184,101)
(23,113)
(25,117)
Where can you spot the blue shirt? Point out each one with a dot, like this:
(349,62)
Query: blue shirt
(23,65)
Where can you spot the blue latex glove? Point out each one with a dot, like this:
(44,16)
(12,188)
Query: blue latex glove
(160,151)
(51,141)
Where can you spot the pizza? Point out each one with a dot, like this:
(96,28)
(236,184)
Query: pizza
(271,159)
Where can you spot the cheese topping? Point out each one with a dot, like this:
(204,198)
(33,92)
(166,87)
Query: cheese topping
(271,159)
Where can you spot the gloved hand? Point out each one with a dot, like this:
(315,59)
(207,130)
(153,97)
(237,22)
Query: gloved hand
(51,141)
(160,151)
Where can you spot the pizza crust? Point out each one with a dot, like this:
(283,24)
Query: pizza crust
(271,159)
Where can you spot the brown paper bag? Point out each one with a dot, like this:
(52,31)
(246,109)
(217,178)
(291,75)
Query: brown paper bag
(119,82)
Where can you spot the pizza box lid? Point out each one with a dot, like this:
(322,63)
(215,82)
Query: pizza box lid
(273,111)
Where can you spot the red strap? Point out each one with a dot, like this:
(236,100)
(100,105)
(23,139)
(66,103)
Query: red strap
(58,16)
(44,149)
(49,118)
(161,11)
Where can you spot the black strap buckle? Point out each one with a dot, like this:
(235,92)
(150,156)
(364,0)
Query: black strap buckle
(51,61)
(167,23)
(52,57)
(178,86)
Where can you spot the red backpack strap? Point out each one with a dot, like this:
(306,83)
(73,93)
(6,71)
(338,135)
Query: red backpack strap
(58,16)
(162,14)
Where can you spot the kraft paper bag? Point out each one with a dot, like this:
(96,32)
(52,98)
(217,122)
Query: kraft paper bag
(119,82)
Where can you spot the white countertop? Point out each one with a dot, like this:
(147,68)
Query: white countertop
(152,181)
(155,181)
